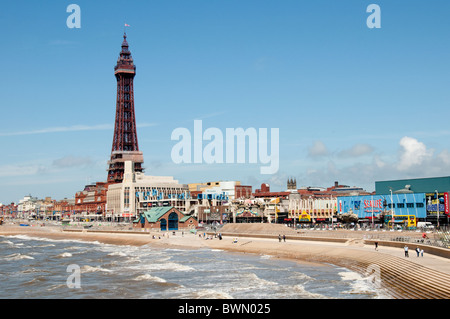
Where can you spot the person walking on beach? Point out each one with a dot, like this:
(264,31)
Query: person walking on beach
(279,238)
(421,252)
(284,238)
(417,251)
(376,245)
(406,251)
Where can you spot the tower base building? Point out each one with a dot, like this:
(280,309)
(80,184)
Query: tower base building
(138,193)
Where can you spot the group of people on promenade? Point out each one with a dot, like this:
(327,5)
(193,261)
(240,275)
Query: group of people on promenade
(210,237)
(418,251)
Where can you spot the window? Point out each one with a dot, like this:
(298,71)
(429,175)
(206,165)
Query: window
(126,199)
(410,205)
(400,205)
(419,205)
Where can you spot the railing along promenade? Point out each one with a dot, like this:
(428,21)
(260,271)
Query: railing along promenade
(435,242)
(435,238)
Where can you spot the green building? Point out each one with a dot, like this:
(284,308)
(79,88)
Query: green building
(435,189)
(416,185)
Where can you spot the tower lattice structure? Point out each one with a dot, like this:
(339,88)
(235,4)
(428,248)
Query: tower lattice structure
(125,142)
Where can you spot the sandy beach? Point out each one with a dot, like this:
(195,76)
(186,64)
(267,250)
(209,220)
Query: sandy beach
(401,277)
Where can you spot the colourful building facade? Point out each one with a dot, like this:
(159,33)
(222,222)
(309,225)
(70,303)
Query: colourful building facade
(368,206)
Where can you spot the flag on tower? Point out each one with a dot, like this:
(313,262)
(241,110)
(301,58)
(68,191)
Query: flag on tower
(127,25)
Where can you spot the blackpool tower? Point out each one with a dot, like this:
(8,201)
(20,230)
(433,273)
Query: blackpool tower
(125,142)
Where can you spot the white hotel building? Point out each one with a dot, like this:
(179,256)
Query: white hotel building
(139,192)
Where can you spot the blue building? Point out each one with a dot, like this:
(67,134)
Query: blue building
(416,185)
(372,205)
(436,190)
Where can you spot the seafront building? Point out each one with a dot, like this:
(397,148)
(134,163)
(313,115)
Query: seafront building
(312,210)
(293,206)
(138,193)
(436,193)
(33,207)
(224,190)
(64,208)
(9,210)
(376,208)
(165,219)
(30,207)
(414,185)
(91,200)
(424,199)
(309,191)
(298,209)
(27,206)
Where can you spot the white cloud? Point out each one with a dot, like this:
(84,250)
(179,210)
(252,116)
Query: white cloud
(444,157)
(72,128)
(356,150)
(413,153)
(318,149)
(72,161)
(11,170)
(379,162)
(414,160)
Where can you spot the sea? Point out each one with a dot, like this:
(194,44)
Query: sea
(33,268)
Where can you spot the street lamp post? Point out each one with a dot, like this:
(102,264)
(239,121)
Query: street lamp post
(392,210)
(437,208)
(372,214)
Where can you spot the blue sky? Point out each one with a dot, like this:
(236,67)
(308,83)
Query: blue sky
(352,104)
